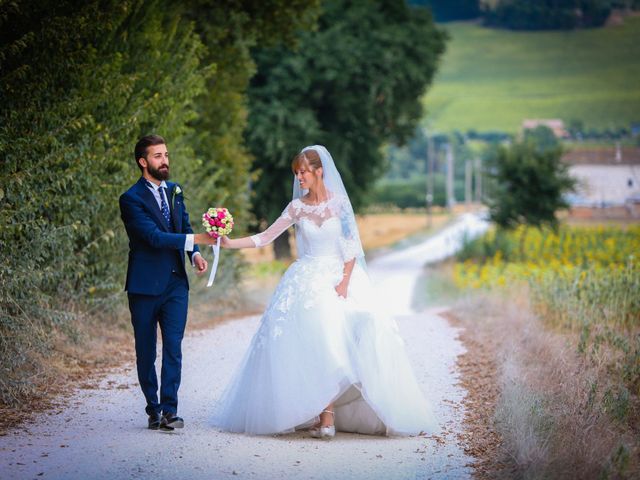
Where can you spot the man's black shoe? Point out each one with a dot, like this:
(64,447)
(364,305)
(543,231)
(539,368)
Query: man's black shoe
(154,421)
(170,422)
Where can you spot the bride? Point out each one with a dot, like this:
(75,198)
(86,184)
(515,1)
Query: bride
(323,358)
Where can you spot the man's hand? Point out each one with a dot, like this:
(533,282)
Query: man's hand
(200,264)
(203,239)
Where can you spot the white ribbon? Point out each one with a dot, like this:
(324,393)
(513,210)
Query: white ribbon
(216,257)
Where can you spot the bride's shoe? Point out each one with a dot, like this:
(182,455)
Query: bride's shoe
(323,432)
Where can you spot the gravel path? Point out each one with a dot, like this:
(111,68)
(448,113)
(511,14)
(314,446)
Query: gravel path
(101,432)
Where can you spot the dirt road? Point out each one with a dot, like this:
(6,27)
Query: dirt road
(101,432)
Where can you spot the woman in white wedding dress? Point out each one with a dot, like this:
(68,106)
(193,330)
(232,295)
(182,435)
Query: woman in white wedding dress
(323,358)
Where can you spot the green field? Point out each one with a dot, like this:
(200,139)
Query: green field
(492,79)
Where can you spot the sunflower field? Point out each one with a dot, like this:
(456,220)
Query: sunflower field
(584,280)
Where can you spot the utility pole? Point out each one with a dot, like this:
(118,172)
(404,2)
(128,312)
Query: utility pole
(478,162)
(468,173)
(430,162)
(450,194)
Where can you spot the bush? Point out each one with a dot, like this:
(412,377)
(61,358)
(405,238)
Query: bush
(70,116)
(450,10)
(547,14)
(408,193)
(80,81)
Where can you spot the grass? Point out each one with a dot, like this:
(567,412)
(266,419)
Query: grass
(581,280)
(44,363)
(435,287)
(492,79)
(580,313)
(550,422)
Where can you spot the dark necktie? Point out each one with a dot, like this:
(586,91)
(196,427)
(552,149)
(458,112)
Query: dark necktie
(164,207)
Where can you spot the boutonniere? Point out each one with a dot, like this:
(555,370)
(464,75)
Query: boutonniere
(176,191)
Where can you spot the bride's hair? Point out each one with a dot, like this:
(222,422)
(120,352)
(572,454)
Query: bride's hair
(310,156)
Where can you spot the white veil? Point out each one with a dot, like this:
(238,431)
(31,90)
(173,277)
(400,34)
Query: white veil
(333,183)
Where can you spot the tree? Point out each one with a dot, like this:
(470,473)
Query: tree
(80,81)
(230,29)
(547,14)
(543,137)
(450,10)
(352,85)
(529,186)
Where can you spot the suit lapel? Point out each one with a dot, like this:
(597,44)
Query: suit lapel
(174,206)
(150,202)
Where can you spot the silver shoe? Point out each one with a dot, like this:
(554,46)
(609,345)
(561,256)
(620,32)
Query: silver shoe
(323,432)
(327,432)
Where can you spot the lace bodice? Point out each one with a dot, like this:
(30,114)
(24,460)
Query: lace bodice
(321,229)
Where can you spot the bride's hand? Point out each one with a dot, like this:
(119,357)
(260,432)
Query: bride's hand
(342,288)
(226,242)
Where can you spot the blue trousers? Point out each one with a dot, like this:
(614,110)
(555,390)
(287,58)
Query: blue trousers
(168,310)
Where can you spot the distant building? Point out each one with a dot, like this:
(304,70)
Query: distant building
(607,177)
(556,126)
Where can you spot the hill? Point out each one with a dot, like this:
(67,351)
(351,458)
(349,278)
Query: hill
(491,79)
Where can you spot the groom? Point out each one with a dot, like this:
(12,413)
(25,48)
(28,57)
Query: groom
(157,224)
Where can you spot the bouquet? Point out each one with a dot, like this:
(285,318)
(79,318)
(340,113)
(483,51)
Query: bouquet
(217,222)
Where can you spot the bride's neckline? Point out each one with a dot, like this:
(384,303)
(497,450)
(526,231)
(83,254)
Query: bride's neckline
(314,204)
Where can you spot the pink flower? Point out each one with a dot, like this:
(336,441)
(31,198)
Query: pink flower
(217,221)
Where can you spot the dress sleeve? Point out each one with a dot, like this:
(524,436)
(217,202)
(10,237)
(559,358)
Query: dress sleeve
(350,246)
(284,221)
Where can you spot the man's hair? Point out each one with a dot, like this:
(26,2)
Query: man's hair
(141,147)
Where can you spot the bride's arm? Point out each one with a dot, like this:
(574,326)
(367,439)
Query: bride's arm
(350,246)
(343,286)
(244,242)
(265,238)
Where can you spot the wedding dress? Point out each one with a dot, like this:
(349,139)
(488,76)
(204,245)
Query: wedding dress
(314,347)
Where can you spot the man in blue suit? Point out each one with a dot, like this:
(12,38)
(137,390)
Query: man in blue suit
(157,224)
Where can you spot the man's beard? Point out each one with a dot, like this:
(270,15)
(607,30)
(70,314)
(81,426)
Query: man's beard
(159,174)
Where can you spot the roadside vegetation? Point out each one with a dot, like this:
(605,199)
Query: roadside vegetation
(558,307)
(565,308)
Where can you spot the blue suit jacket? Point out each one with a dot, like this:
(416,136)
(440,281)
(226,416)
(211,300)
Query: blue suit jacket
(153,247)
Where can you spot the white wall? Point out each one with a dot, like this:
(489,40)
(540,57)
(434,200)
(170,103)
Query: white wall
(607,184)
